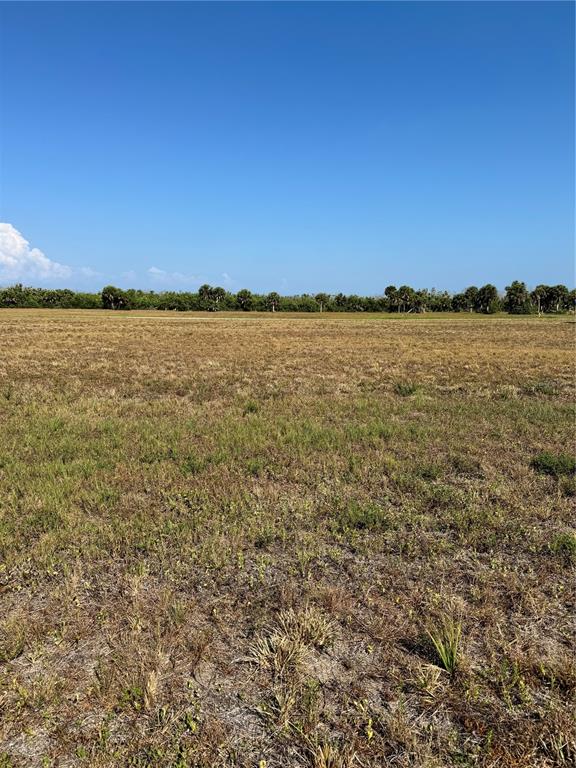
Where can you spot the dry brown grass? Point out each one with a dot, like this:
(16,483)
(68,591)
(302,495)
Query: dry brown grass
(225,540)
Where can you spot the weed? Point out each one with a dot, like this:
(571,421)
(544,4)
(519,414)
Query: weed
(568,486)
(429,471)
(560,747)
(193,464)
(541,388)
(361,516)
(331,755)
(554,464)
(467,466)
(133,697)
(564,545)
(285,648)
(280,707)
(12,639)
(445,637)
(309,625)
(281,654)
(405,388)
(514,689)
(255,466)
(428,678)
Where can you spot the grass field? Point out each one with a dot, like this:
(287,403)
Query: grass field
(266,541)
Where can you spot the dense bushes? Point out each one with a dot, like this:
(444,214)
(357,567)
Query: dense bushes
(20,296)
(516,300)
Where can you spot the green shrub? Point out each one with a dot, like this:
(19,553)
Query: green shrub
(564,544)
(554,464)
(405,388)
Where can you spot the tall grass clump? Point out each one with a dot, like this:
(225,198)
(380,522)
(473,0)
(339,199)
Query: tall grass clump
(405,388)
(446,638)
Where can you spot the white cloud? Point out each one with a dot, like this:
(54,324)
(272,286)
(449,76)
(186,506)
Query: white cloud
(89,272)
(20,262)
(171,278)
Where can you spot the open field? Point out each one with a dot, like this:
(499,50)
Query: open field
(323,541)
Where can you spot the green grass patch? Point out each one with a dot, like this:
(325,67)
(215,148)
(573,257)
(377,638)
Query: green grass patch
(405,388)
(361,516)
(564,545)
(554,464)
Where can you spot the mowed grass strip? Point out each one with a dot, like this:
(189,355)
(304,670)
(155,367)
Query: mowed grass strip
(286,541)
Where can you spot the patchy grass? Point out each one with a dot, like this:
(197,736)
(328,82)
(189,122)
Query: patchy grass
(564,544)
(222,541)
(405,388)
(555,464)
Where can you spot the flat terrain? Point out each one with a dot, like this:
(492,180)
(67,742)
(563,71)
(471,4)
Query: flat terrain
(233,540)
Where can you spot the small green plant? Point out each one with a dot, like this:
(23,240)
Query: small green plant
(405,388)
(12,640)
(446,640)
(132,698)
(193,464)
(279,708)
(564,545)
(568,486)
(554,464)
(513,684)
(541,388)
(255,466)
(429,471)
(251,406)
(467,466)
(361,517)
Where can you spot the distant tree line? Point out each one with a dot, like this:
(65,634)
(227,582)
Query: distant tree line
(517,299)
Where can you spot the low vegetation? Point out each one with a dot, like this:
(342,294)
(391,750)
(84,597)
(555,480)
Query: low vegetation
(268,541)
(555,464)
(446,641)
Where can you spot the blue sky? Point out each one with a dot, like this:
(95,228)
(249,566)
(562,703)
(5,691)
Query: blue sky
(295,147)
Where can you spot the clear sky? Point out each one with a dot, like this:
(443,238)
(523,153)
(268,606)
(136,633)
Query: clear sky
(295,147)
